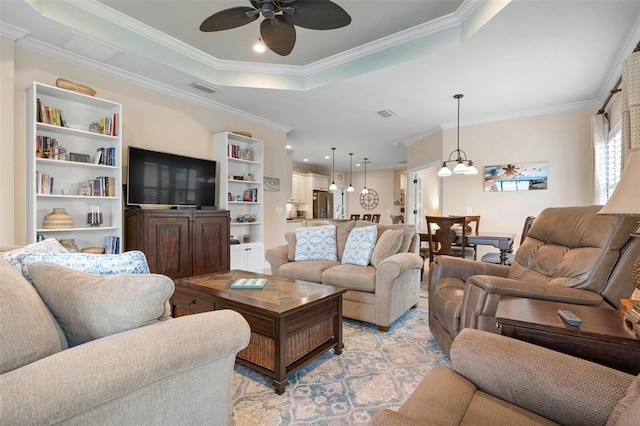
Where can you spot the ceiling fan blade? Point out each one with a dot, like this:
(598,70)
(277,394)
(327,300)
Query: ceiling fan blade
(318,15)
(228,19)
(278,35)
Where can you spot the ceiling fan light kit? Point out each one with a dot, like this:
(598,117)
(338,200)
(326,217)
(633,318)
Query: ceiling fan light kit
(277,29)
(463,165)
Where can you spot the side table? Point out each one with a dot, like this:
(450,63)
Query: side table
(602,337)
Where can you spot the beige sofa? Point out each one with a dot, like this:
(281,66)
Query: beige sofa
(377,293)
(496,380)
(79,348)
(571,255)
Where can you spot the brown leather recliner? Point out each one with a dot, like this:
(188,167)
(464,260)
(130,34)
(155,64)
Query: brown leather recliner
(571,255)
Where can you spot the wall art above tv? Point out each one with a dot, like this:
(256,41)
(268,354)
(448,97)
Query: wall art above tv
(515,177)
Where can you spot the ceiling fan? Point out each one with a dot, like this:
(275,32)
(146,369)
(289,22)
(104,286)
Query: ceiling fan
(277,30)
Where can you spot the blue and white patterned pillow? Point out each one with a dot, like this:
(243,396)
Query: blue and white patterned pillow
(48,245)
(130,262)
(360,245)
(316,243)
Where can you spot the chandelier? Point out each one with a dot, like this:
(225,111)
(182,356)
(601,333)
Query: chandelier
(463,165)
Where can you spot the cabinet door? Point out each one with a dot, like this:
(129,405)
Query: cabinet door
(255,257)
(300,187)
(210,250)
(168,246)
(238,257)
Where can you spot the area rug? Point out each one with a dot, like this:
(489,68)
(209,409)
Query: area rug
(376,370)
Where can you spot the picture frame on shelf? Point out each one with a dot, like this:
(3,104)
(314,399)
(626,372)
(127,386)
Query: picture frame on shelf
(79,158)
(229,196)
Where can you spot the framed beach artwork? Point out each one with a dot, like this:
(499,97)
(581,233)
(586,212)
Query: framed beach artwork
(271,184)
(515,177)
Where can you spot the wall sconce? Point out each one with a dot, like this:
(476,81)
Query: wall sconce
(463,165)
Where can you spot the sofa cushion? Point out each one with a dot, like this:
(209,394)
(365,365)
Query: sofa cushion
(627,411)
(316,243)
(387,245)
(310,270)
(28,331)
(343,230)
(291,245)
(408,231)
(352,277)
(130,262)
(49,245)
(89,306)
(360,245)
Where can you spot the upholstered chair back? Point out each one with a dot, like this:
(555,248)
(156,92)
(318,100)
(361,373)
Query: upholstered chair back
(572,247)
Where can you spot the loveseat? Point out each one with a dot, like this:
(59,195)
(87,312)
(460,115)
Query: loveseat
(571,255)
(380,288)
(495,380)
(80,348)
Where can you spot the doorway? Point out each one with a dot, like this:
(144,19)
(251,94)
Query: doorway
(423,194)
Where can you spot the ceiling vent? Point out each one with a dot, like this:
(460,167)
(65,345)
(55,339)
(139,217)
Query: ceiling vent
(387,113)
(204,87)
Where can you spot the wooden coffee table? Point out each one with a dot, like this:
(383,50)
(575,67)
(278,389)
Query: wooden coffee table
(292,321)
(602,337)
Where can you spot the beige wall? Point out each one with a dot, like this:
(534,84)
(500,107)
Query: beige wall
(150,119)
(7,227)
(562,139)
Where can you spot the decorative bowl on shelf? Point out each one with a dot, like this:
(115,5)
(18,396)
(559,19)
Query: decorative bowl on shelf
(58,219)
(249,218)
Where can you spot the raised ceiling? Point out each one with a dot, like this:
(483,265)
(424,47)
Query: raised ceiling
(509,59)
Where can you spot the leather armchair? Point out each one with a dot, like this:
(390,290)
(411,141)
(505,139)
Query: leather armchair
(571,255)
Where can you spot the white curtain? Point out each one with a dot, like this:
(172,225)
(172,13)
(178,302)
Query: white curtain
(599,138)
(630,103)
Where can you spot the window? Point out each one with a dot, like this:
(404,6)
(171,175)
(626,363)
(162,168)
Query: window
(608,165)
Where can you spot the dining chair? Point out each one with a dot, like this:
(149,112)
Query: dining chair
(367,217)
(397,218)
(354,217)
(375,218)
(494,257)
(472,225)
(442,236)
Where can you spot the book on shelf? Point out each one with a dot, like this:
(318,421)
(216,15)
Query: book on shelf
(44,183)
(111,245)
(49,114)
(250,195)
(47,147)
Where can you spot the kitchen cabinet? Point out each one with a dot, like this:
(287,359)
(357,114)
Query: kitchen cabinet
(319,182)
(298,188)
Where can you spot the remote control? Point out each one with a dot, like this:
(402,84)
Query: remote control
(569,317)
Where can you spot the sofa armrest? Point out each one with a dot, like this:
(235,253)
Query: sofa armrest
(448,266)
(132,375)
(483,293)
(562,388)
(277,256)
(394,266)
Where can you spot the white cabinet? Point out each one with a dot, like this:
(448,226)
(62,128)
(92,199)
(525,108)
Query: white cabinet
(319,182)
(248,257)
(240,176)
(298,188)
(57,124)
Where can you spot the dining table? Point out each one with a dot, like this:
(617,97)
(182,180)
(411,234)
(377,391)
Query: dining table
(503,241)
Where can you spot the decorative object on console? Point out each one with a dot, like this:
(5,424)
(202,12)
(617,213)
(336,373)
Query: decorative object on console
(70,244)
(94,218)
(463,165)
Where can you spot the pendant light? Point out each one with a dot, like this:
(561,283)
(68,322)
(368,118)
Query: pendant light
(463,165)
(365,190)
(350,188)
(333,185)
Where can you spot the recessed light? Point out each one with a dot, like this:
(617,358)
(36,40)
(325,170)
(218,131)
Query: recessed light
(288,146)
(326,157)
(306,159)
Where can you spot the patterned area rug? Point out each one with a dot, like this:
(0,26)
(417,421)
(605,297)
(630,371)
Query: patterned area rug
(375,370)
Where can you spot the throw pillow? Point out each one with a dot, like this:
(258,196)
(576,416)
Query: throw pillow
(130,262)
(316,243)
(387,245)
(49,245)
(28,331)
(359,246)
(89,306)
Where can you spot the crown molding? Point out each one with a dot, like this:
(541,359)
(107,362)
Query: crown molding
(12,32)
(56,52)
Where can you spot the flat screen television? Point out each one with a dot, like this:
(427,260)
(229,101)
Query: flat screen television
(157,179)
